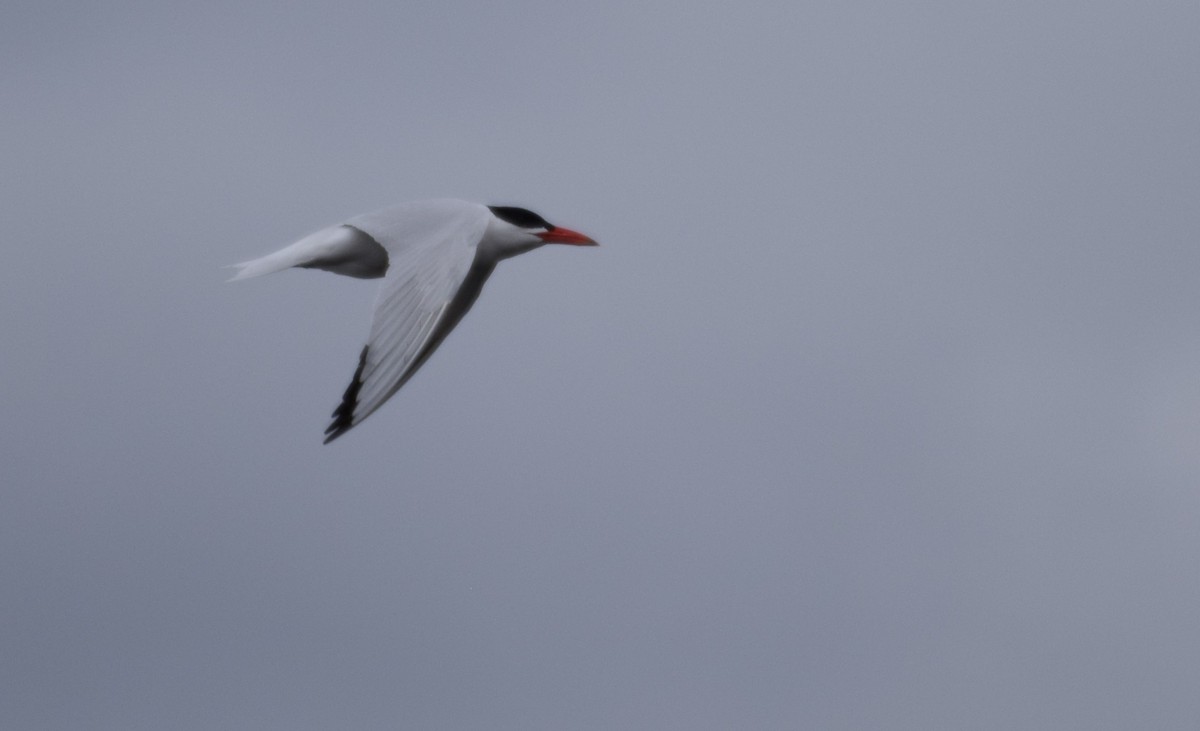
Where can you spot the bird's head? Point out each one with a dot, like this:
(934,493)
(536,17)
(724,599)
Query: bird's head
(515,230)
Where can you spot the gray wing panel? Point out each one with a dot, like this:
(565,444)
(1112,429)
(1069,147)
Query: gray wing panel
(430,284)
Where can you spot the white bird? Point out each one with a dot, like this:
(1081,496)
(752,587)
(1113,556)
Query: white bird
(435,256)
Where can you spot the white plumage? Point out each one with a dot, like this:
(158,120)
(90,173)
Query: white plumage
(434,257)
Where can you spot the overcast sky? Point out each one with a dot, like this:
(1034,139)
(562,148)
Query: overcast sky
(877,408)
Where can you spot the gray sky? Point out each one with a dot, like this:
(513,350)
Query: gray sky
(878,407)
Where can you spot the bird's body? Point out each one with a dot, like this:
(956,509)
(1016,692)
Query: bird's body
(434,257)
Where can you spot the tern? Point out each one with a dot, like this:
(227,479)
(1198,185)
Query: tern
(434,257)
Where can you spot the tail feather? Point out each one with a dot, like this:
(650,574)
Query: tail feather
(264,265)
(340,249)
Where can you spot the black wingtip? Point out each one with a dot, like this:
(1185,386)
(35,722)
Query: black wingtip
(343,415)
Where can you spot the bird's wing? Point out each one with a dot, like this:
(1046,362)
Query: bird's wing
(432,280)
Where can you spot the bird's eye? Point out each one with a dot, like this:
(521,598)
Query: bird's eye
(522,217)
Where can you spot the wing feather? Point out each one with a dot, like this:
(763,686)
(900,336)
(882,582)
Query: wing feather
(433,278)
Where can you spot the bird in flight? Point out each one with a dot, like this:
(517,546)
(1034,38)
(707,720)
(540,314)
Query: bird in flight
(434,257)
